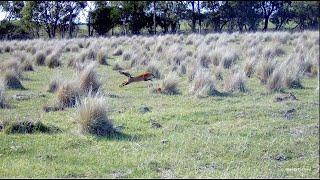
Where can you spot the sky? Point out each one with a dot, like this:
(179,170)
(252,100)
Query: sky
(2,15)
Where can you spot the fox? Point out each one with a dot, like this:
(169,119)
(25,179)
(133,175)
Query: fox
(146,76)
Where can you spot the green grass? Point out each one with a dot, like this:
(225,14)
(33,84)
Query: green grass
(237,136)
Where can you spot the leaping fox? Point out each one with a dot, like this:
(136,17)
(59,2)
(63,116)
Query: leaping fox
(146,76)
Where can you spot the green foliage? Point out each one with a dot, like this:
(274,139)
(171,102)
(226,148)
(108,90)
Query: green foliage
(103,19)
(29,127)
(13,30)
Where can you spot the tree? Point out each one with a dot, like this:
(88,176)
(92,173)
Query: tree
(306,14)
(199,16)
(283,15)
(193,27)
(72,9)
(13,9)
(101,20)
(47,13)
(266,9)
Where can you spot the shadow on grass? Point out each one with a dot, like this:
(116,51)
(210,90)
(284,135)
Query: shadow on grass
(118,136)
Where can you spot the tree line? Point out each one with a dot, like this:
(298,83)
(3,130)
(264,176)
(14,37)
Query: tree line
(26,19)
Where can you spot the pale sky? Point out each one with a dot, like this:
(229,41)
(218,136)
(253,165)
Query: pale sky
(2,15)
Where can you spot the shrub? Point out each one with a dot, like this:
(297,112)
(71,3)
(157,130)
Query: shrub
(93,118)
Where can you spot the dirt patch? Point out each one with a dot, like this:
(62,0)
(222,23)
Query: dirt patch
(285,97)
(289,113)
(155,124)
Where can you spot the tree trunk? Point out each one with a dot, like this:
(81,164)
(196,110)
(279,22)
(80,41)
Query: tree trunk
(49,31)
(70,25)
(154,18)
(199,15)
(266,20)
(193,18)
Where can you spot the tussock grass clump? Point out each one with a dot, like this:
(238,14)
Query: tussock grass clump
(126,56)
(275,82)
(20,56)
(27,127)
(7,49)
(273,51)
(40,59)
(91,54)
(235,83)
(53,60)
(249,67)
(292,77)
(12,64)
(102,57)
(117,67)
(68,93)
(92,117)
(203,84)
(216,56)
(3,103)
(218,73)
(229,58)
(264,70)
(117,52)
(89,79)
(169,85)
(27,65)
(11,80)
(54,84)
(154,70)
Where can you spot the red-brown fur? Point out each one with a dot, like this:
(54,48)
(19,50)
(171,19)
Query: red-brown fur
(146,76)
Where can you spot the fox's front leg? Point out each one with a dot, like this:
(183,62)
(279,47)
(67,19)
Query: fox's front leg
(124,83)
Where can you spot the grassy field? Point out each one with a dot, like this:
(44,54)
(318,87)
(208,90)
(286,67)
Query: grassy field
(234,135)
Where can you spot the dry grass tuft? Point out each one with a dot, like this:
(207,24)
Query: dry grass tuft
(102,57)
(92,117)
(11,80)
(40,59)
(169,85)
(68,93)
(89,79)
(53,60)
(264,70)
(203,84)
(235,83)
(3,103)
